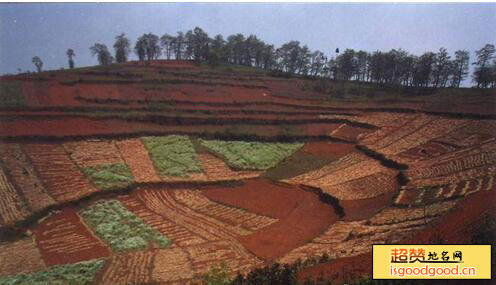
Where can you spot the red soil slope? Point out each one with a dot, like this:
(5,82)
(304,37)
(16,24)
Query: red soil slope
(365,208)
(302,216)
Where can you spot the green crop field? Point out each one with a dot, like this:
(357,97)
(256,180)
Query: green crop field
(173,155)
(251,155)
(110,176)
(75,274)
(120,228)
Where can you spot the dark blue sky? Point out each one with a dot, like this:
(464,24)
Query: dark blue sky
(48,30)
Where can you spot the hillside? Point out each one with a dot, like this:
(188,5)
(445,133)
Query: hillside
(171,168)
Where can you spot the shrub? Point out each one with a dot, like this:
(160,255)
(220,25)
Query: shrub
(217,275)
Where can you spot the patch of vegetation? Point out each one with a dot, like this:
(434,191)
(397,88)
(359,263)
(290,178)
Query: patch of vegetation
(251,155)
(110,176)
(78,274)
(121,229)
(298,163)
(217,275)
(11,94)
(173,155)
(270,274)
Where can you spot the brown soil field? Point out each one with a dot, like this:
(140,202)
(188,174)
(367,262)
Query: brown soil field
(136,157)
(62,178)
(251,195)
(21,256)
(25,177)
(64,239)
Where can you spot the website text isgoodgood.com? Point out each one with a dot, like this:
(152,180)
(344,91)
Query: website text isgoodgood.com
(427,271)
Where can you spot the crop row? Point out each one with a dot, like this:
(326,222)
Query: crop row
(25,177)
(109,176)
(136,157)
(61,177)
(427,195)
(177,233)
(39,175)
(342,163)
(93,153)
(82,273)
(234,216)
(425,151)
(344,238)
(176,265)
(121,229)
(173,155)
(475,132)
(216,169)
(163,203)
(19,256)
(63,238)
(365,187)
(434,129)
(12,207)
(397,133)
(453,166)
(388,123)
(130,268)
(354,176)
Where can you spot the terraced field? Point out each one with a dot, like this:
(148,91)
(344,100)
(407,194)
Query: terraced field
(110,178)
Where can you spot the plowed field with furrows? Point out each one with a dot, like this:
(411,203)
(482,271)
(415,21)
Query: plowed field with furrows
(155,174)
